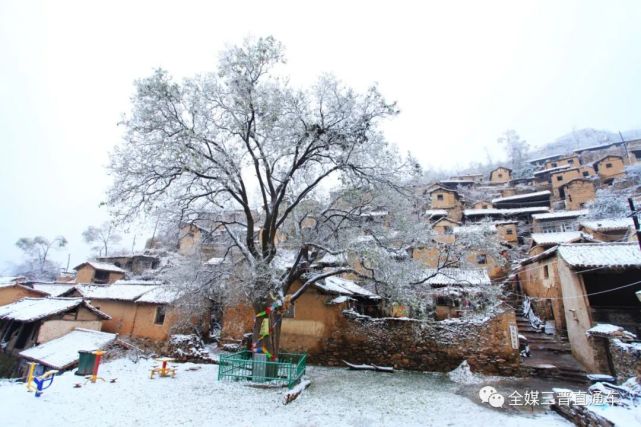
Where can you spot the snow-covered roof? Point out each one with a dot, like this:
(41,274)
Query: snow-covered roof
(340,286)
(599,147)
(606,255)
(435,212)
(458,276)
(543,255)
(11,279)
(32,309)
(62,352)
(215,261)
(105,266)
(114,292)
(608,224)
(53,289)
(541,159)
(522,196)
(137,282)
(552,170)
(505,212)
(557,238)
(560,215)
(374,213)
(160,295)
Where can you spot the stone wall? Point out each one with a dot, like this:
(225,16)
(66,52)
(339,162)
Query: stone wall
(422,345)
(626,359)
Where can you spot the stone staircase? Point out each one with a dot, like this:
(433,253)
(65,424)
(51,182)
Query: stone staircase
(550,356)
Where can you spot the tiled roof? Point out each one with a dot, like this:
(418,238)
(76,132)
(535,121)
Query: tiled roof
(560,215)
(101,266)
(557,238)
(522,196)
(457,276)
(31,309)
(607,255)
(608,224)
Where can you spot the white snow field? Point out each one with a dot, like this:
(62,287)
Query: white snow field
(337,397)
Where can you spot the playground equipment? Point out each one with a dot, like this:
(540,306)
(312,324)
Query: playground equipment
(94,374)
(41,382)
(163,370)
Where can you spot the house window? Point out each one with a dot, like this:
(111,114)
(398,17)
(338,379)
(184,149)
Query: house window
(160,315)
(481,259)
(571,162)
(553,164)
(101,276)
(448,229)
(509,232)
(290,313)
(586,173)
(559,178)
(608,165)
(569,197)
(439,197)
(546,271)
(500,175)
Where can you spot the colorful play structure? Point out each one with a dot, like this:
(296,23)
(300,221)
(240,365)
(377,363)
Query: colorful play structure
(94,373)
(42,382)
(164,370)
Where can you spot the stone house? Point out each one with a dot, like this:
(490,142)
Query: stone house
(500,175)
(608,230)
(98,272)
(137,310)
(578,192)
(598,283)
(609,167)
(137,264)
(445,198)
(32,321)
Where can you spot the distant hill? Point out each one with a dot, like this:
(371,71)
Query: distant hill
(582,138)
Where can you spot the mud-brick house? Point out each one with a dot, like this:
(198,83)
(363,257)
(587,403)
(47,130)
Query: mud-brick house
(444,228)
(608,230)
(609,167)
(569,161)
(33,321)
(455,290)
(98,272)
(578,192)
(482,204)
(314,316)
(137,264)
(556,222)
(559,179)
(12,292)
(137,310)
(445,198)
(508,231)
(538,278)
(501,175)
(598,283)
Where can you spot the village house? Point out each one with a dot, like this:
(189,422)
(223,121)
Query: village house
(508,231)
(609,167)
(544,241)
(570,161)
(523,215)
(456,291)
(578,192)
(137,310)
(482,204)
(590,154)
(538,279)
(543,176)
(598,283)
(444,228)
(500,175)
(608,230)
(559,179)
(444,198)
(98,272)
(540,162)
(554,222)
(32,321)
(136,264)
(12,292)
(526,200)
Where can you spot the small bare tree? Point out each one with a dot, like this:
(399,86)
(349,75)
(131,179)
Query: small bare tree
(37,251)
(103,236)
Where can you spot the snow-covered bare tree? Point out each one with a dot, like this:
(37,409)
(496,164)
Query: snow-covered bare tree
(517,151)
(103,237)
(36,249)
(609,203)
(241,138)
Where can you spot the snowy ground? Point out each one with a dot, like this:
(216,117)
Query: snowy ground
(337,397)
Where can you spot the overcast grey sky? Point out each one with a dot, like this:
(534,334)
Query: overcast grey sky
(462,73)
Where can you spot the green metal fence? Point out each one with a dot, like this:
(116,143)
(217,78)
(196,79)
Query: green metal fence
(246,366)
